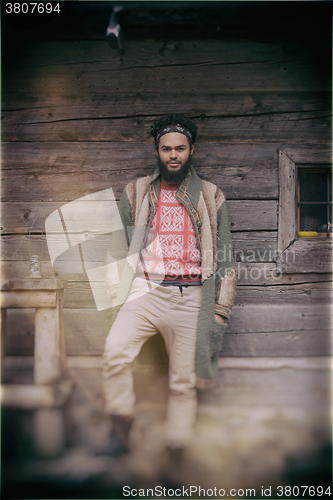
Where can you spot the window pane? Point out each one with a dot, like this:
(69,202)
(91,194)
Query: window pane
(314,218)
(313,186)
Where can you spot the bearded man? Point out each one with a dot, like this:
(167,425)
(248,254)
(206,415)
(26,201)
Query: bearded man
(178,279)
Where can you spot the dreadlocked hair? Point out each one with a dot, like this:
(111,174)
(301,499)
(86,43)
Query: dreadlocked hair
(182,120)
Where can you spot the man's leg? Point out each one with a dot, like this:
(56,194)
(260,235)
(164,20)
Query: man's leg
(130,330)
(183,317)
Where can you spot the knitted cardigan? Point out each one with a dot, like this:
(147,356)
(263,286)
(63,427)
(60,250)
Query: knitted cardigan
(206,206)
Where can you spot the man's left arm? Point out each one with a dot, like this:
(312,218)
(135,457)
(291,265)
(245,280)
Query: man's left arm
(226,276)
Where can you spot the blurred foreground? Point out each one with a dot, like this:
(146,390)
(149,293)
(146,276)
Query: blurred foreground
(264,425)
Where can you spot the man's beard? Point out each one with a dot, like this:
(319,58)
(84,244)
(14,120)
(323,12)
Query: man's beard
(177,176)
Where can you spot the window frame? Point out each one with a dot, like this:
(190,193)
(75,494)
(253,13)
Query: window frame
(299,254)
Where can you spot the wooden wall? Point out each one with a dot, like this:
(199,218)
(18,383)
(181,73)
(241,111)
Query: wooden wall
(75,120)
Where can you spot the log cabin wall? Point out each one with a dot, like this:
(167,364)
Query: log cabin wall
(76,117)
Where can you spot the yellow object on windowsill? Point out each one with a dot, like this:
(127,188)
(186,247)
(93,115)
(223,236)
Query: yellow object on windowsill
(308,234)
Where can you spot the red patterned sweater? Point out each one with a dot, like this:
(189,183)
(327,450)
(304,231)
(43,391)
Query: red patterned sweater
(171,250)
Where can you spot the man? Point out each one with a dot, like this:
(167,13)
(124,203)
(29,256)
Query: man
(177,279)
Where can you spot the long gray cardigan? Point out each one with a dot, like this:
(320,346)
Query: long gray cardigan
(206,206)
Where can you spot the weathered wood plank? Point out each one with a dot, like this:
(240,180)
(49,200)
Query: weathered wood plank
(76,85)
(224,127)
(24,186)
(32,115)
(18,217)
(90,157)
(269,318)
(281,295)
(78,295)
(54,186)
(257,283)
(316,343)
(254,246)
(267,75)
(307,254)
(83,323)
(64,53)
(128,156)
(248,274)
(144,106)
(265,274)
(64,172)
(252,215)
(254,330)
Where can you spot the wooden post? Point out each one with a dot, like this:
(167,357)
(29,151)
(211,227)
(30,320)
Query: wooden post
(49,431)
(62,344)
(49,368)
(3,337)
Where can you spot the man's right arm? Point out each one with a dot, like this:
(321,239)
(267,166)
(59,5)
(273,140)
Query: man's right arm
(118,247)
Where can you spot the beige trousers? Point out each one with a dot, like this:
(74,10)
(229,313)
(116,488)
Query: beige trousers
(146,312)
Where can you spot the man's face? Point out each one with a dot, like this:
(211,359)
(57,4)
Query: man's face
(174,157)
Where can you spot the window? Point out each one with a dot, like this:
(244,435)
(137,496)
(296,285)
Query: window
(305,210)
(314,194)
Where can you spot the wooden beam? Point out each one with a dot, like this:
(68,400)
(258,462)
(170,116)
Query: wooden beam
(34,298)
(32,397)
(21,284)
